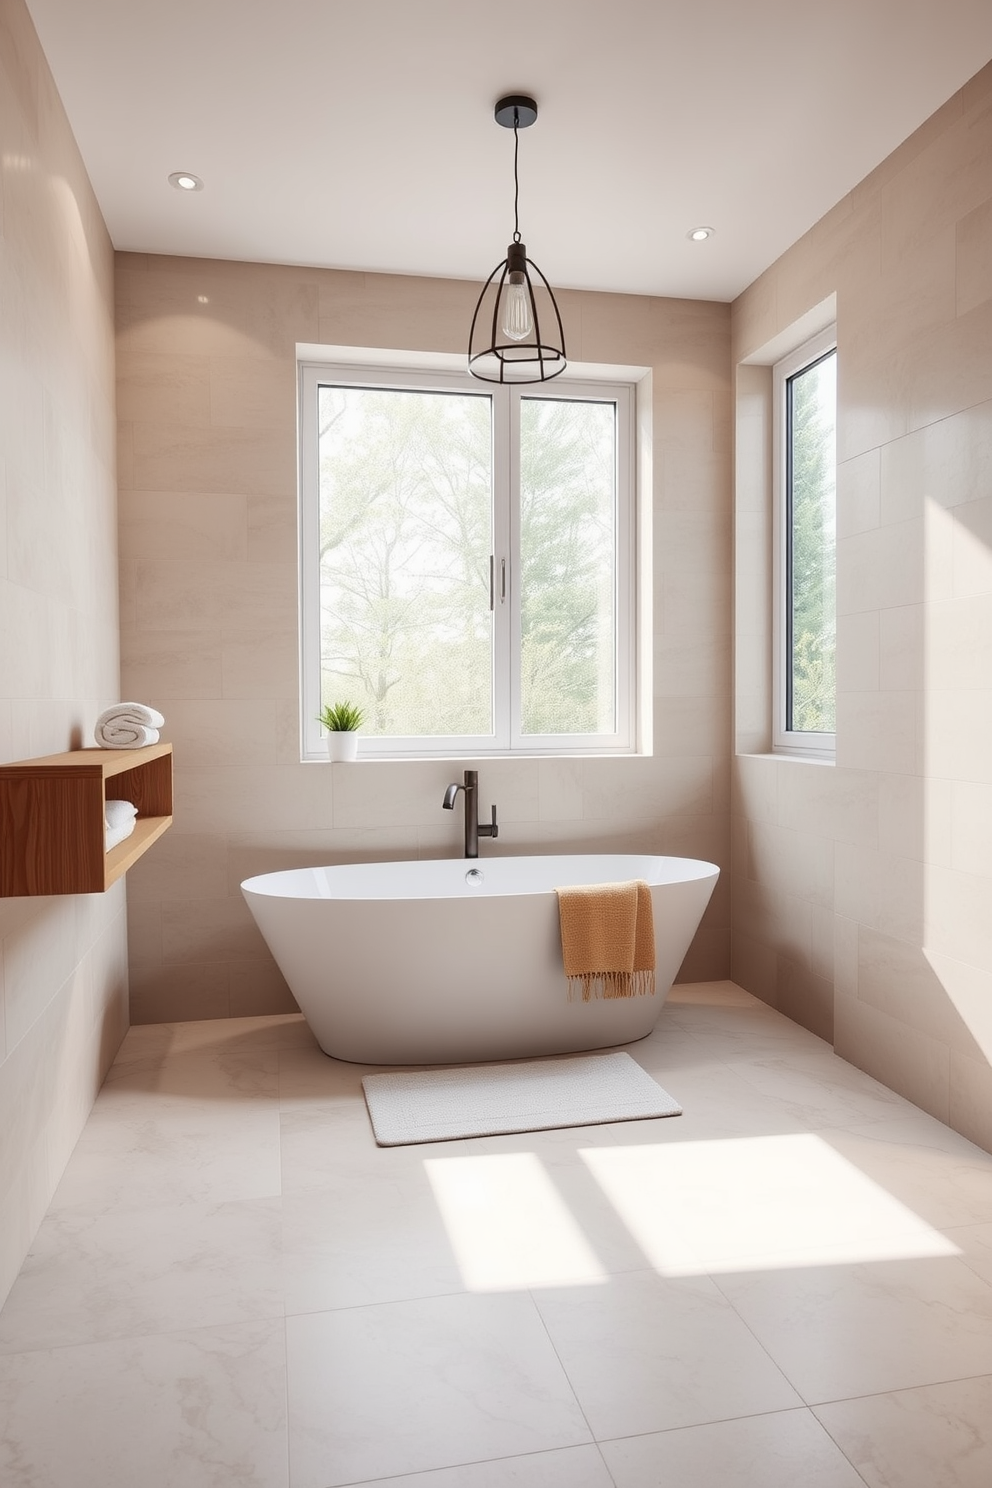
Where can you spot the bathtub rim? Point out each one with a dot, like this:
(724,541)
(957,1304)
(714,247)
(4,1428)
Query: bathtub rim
(292,883)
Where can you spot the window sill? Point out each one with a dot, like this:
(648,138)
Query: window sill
(796,756)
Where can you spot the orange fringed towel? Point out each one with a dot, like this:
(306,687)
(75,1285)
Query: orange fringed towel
(607,939)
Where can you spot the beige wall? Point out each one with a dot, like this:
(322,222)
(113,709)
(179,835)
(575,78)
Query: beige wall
(862,892)
(207,408)
(63,974)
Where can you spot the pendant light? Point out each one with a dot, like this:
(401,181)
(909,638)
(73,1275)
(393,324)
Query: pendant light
(516,333)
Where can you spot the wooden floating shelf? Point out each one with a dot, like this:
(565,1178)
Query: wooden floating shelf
(52,823)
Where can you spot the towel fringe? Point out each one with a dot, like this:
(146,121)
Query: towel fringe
(611,984)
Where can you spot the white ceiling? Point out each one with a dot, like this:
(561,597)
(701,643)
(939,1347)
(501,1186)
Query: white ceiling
(359,134)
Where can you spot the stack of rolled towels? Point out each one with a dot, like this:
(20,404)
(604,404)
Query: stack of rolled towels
(127,726)
(119,819)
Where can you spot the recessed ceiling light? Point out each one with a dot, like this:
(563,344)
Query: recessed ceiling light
(185,181)
(699,234)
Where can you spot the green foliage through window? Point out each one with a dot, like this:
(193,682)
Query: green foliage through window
(811,423)
(468,561)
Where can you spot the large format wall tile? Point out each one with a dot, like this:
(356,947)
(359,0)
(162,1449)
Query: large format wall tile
(907,256)
(209,557)
(63,973)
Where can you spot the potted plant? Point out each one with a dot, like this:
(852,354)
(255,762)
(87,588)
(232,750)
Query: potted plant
(342,722)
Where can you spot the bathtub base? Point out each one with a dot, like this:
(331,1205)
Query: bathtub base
(417,963)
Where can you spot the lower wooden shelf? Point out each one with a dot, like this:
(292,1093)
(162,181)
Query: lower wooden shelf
(52,823)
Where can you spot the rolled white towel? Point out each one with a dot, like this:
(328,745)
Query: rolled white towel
(127,726)
(119,819)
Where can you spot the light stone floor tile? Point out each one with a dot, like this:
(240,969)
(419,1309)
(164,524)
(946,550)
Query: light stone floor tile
(361,1241)
(646,1353)
(975,1244)
(783,1450)
(380,1391)
(942,1177)
(308,1077)
(821,1090)
(157,1084)
(475,1314)
(572,1467)
(207,1035)
(183,1151)
(201,1409)
(936,1437)
(93,1276)
(845,1330)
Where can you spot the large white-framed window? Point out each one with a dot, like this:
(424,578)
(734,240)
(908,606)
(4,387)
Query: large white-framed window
(467,562)
(804,390)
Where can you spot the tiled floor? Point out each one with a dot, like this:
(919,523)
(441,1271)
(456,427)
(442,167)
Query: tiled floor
(789,1284)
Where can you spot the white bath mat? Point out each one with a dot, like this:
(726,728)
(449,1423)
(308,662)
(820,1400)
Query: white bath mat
(484,1100)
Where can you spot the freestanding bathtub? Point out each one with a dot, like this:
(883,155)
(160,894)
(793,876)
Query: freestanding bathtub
(449,961)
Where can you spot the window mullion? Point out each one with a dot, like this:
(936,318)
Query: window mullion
(505,481)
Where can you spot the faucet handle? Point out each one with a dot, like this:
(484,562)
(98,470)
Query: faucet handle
(490,831)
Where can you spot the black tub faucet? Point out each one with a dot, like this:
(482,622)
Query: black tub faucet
(472,829)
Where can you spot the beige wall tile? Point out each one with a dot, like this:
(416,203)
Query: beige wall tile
(208,731)
(156,389)
(970,1105)
(805,997)
(204,930)
(858,494)
(967,993)
(175,993)
(879,731)
(898,979)
(956,733)
(184,457)
(182,524)
(880,890)
(971,548)
(916,1066)
(957,918)
(218,799)
(250,393)
(164,664)
(272,528)
(881,568)
(63,985)
(901,654)
(258,664)
(185,865)
(974,258)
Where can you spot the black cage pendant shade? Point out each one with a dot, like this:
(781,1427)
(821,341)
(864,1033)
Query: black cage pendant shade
(516,333)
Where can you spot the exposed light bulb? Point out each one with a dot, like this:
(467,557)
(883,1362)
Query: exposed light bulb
(517,323)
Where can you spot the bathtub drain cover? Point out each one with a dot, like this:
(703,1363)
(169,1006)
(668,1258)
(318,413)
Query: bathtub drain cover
(486,1100)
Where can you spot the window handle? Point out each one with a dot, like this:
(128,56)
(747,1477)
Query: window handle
(502,581)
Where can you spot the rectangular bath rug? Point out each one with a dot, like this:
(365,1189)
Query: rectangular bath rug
(486,1100)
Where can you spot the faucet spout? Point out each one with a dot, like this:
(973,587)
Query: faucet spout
(472,829)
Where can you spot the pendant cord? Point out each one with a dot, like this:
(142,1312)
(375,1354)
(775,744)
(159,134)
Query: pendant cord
(516,178)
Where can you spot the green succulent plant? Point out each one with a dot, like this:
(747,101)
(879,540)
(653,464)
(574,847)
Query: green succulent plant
(342,718)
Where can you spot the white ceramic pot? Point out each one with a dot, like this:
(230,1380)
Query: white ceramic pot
(342,744)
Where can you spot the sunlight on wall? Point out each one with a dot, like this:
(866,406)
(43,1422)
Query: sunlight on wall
(755,1203)
(958,781)
(507,1225)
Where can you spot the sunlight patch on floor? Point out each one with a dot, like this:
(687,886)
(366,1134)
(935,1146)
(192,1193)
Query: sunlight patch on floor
(508,1225)
(756,1203)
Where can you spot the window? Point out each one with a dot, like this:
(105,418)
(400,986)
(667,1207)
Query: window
(467,562)
(805,394)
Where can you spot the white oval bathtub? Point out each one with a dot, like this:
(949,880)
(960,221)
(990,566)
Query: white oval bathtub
(456,960)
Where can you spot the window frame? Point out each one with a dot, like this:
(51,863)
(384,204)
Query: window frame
(785,740)
(507,741)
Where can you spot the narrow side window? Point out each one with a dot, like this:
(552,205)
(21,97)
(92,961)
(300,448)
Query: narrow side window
(805,392)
